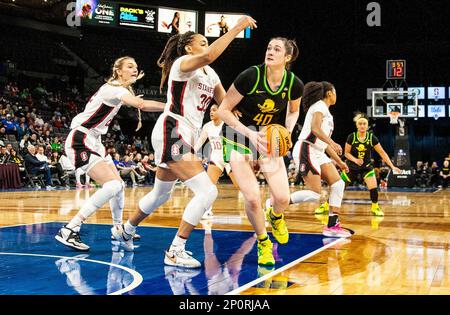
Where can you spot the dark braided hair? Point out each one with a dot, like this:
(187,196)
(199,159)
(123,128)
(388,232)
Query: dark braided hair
(174,48)
(314,92)
(291,49)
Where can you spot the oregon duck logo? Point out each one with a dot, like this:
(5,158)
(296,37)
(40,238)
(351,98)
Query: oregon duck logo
(361,147)
(268,107)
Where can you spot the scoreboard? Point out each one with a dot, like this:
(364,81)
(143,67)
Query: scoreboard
(396,69)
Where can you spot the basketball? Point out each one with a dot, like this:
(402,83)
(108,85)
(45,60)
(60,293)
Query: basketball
(278,140)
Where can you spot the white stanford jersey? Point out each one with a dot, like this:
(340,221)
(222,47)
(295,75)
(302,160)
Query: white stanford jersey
(213,133)
(101,109)
(190,93)
(327,125)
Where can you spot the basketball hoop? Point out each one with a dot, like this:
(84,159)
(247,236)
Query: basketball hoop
(394,117)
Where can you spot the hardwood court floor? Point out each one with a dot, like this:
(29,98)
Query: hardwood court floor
(406,252)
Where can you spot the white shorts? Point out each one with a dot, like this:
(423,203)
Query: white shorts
(171,139)
(217,160)
(308,158)
(85,150)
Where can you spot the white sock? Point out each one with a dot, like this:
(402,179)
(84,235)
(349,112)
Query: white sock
(129,228)
(178,242)
(304,196)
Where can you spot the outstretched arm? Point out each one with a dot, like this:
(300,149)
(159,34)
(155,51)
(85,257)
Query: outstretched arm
(144,105)
(194,62)
(386,158)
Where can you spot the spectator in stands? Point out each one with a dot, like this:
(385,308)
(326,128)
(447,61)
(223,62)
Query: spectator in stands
(9,147)
(139,167)
(57,123)
(124,170)
(418,174)
(4,155)
(38,121)
(64,122)
(40,154)
(148,162)
(15,158)
(46,138)
(24,143)
(3,136)
(445,174)
(9,124)
(56,168)
(23,128)
(56,144)
(33,139)
(117,130)
(138,143)
(35,167)
(434,175)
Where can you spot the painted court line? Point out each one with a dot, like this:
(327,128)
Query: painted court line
(137,277)
(285,267)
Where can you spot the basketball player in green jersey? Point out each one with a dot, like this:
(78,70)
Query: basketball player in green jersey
(358,151)
(266,94)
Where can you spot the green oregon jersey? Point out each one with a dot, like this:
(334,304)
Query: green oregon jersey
(261,106)
(361,149)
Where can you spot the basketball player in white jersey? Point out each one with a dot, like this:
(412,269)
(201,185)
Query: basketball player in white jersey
(310,158)
(85,150)
(192,86)
(212,131)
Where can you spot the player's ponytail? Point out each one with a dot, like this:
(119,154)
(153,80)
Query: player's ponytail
(312,93)
(174,48)
(291,49)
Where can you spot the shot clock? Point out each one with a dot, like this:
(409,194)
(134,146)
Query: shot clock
(396,69)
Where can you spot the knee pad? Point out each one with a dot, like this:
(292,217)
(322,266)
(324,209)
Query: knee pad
(205,193)
(113,187)
(337,193)
(159,195)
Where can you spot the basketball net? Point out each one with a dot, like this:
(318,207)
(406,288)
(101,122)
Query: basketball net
(394,117)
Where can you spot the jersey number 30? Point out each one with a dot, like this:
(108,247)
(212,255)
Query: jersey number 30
(204,102)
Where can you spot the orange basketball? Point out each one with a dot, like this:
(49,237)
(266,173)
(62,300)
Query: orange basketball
(278,140)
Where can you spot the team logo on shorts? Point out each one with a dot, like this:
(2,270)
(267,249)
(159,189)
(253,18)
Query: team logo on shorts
(302,167)
(84,156)
(175,149)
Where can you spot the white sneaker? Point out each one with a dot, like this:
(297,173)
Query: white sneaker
(71,239)
(208,215)
(118,232)
(180,258)
(136,237)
